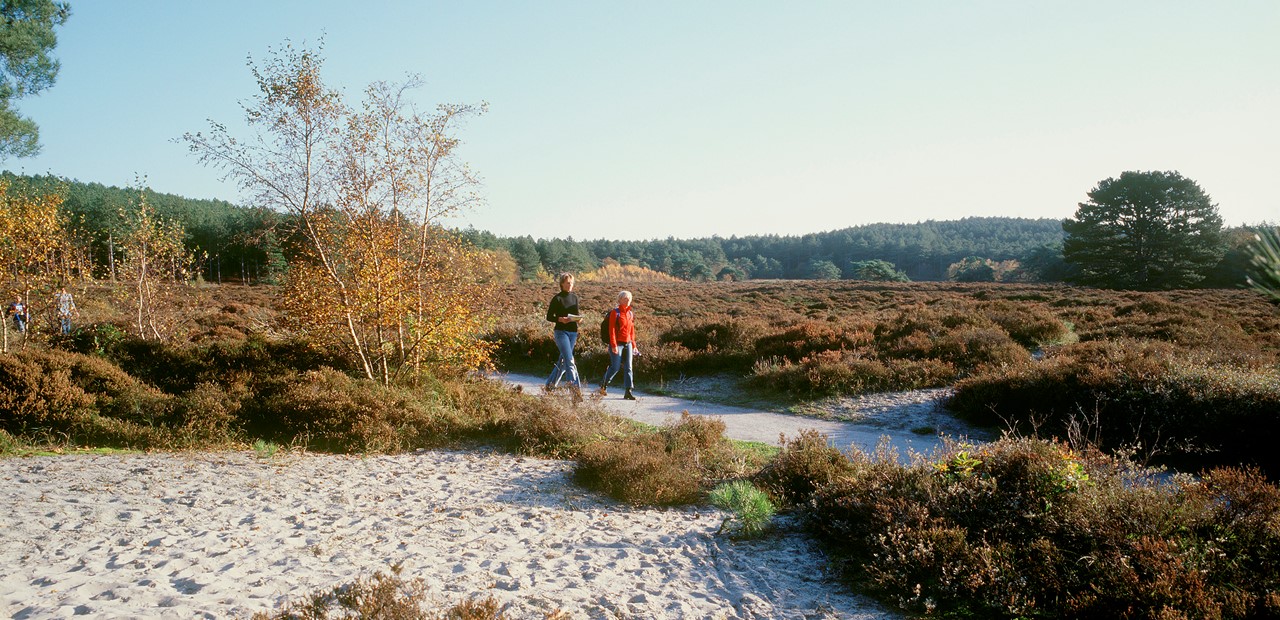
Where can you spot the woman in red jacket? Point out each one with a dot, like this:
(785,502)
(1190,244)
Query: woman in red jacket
(622,345)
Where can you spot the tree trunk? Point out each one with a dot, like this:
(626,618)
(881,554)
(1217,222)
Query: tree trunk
(111,256)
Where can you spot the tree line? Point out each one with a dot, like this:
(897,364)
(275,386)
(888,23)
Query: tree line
(228,242)
(233,243)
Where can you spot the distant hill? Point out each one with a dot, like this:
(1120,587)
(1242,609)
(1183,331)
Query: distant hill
(923,250)
(233,243)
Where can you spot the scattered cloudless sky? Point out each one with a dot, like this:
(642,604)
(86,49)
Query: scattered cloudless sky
(718,117)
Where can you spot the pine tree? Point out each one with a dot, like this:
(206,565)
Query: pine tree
(1144,230)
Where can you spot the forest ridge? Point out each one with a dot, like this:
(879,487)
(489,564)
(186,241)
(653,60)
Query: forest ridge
(234,245)
(238,243)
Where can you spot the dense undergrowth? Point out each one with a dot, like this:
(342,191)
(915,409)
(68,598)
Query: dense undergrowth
(1019,528)
(1186,376)
(1023,528)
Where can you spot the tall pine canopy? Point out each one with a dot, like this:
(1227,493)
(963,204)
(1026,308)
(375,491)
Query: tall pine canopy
(1146,231)
(26,68)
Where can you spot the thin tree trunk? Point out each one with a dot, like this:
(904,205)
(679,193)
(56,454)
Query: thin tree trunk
(111,256)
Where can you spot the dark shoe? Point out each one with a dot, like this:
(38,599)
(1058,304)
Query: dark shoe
(577,395)
(629,395)
(602,391)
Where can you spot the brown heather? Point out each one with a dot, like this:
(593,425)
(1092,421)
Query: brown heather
(1186,376)
(1019,528)
(388,597)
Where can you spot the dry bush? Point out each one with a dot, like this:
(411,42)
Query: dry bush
(208,414)
(892,336)
(670,467)
(334,411)
(1029,325)
(61,396)
(1001,530)
(556,429)
(639,471)
(383,597)
(1121,393)
(806,463)
(809,337)
(830,373)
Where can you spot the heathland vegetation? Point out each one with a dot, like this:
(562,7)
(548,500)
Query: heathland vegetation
(372,340)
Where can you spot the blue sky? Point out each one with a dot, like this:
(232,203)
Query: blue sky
(691,119)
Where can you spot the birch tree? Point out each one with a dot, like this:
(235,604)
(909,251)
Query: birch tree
(154,268)
(33,247)
(375,274)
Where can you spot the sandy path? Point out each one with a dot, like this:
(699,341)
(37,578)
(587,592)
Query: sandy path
(227,534)
(876,420)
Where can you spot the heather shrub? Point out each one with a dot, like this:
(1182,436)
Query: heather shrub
(806,463)
(658,362)
(719,336)
(1030,325)
(1123,393)
(382,597)
(554,429)
(332,411)
(638,470)
(974,347)
(528,341)
(810,337)
(207,414)
(844,372)
(1000,531)
(663,468)
(712,345)
(56,395)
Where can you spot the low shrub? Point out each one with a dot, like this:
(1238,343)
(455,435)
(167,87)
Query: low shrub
(809,337)
(333,411)
(659,469)
(1026,528)
(806,463)
(1124,393)
(1031,326)
(831,373)
(639,471)
(751,512)
(51,395)
(208,414)
(382,597)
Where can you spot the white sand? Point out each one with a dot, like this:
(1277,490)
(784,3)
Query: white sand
(227,534)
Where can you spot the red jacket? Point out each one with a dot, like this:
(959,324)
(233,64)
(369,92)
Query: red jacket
(622,326)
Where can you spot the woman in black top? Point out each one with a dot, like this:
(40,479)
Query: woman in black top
(563,311)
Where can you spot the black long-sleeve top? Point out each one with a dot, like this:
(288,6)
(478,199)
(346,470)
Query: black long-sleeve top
(563,304)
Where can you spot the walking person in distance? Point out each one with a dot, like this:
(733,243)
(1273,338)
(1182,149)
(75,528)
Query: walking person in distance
(18,311)
(66,305)
(563,311)
(622,345)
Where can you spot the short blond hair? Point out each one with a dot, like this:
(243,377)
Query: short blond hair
(626,294)
(564,275)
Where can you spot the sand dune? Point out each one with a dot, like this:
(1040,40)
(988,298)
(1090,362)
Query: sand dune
(217,535)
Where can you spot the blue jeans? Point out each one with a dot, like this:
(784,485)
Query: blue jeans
(20,322)
(565,340)
(66,324)
(620,359)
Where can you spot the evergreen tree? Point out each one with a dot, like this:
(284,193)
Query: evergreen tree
(822,270)
(26,68)
(1144,230)
(876,271)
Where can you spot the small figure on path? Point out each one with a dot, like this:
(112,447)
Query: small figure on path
(622,345)
(563,311)
(66,305)
(18,311)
